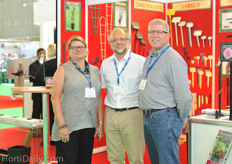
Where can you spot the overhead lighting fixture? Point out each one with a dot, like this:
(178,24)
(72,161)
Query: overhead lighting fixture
(24,5)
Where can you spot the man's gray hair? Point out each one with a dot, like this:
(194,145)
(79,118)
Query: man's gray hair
(159,22)
(119,29)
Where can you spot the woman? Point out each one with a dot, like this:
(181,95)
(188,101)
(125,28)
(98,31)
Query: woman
(76,100)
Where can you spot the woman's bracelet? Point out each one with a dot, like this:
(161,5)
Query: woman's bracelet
(100,126)
(62,126)
(100,123)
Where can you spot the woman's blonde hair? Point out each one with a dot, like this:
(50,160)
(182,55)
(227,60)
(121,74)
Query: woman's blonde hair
(75,38)
(51,50)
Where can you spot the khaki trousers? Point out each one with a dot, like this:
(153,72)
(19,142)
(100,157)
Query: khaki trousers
(124,131)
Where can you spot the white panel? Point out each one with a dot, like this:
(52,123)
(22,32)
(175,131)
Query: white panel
(44,11)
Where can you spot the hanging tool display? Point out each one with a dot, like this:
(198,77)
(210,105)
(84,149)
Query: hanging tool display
(202,59)
(197,33)
(135,26)
(203,37)
(144,43)
(192,70)
(169,13)
(205,60)
(210,38)
(176,20)
(139,36)
(197,58)
(210,57)
(94,15)
(189,25)
(208,74)
(181,24)
(200,73)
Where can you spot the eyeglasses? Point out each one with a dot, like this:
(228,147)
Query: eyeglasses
(159,32)
(77,47)
(121,39)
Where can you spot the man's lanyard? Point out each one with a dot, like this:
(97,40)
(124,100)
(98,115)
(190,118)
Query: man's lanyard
(79,69)
(151,66)
(118,74)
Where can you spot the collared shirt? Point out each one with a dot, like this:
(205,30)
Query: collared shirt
(130,79)
(168,84)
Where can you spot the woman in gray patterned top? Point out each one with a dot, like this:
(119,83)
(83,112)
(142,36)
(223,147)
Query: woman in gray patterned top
(77,104)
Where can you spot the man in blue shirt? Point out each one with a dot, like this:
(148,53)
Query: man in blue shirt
(165,96)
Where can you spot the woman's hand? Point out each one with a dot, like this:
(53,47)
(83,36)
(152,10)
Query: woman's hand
(64,134)
(100,132)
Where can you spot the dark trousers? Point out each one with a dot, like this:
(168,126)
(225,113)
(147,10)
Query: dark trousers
(51,114)
(79,148)
(37,105)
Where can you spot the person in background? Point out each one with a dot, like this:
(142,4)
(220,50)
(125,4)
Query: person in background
(36,97)
(47,70)
(165,96)
(77,104)
(120,75)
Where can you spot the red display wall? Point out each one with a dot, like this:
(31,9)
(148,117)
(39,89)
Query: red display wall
(195,56)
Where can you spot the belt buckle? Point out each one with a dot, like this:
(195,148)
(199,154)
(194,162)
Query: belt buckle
(146,112)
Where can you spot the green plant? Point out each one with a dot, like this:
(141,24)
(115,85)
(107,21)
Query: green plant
(120,16)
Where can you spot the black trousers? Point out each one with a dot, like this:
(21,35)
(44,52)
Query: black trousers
(79,148)
(37,105)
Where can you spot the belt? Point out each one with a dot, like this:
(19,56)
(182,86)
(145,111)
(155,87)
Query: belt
(122,109)
(155,110)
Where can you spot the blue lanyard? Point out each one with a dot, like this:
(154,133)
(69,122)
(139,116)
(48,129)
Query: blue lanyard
(79,69)
(118,74)
(151,66)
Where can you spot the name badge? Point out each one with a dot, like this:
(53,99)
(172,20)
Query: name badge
(118,90)
(142,84)
(90,92)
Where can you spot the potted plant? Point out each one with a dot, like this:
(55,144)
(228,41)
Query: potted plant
(120,17)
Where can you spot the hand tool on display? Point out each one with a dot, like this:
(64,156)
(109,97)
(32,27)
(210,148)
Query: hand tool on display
(175,20)
(197,33)
(135,26)
(199,100)
(139,36)
(195,101)
(208,74)
(181,24)
(188,58)
(202,99)
(210,57)
(205,60)
(189,25)
(200,72)
(210,38)
(192,61)
(193,108)
(202,59)
(206,100)
(169,13)
(144,43)
(203,37)
(197,58)
(192,70)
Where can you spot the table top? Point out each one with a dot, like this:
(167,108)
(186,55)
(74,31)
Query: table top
(39,89)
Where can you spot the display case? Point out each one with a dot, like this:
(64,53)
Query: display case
(203,131)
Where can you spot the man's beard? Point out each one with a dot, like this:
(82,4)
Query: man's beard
(120,52)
